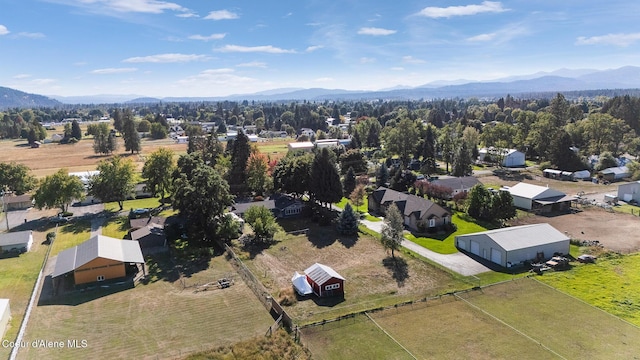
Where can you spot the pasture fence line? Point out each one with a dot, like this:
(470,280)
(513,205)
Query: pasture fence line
(263,295)
(390,337)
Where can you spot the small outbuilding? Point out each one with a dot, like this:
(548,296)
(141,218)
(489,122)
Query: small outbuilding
(540,198)
(513,246)
(19,241)
(5,316)
(98,259)
(17,202)
(614,173)
(324,280)
(306,146)
(629,192)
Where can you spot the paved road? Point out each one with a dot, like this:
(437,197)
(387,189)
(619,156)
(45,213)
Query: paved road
(458,262)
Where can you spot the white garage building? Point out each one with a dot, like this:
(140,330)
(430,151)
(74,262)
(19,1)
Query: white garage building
(514,245)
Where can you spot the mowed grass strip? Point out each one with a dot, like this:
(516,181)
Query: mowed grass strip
(354,338)
(571,328)
(450,329)
(70,235)
(446,244)
(610,284)
(18,276)
(159,319)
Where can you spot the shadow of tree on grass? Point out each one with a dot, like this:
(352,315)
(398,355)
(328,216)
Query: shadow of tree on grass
(398,268)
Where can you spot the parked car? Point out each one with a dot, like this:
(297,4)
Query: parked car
(58,220)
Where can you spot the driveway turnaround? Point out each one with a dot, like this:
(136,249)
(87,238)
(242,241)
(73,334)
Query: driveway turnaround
(458,262)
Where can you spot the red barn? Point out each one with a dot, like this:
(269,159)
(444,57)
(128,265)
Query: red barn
(325,281)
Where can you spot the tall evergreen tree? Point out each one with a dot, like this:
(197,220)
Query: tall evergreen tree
(429,151)
(349,182)
(325,180)
(130,134)
(117,119)
(382,177)
(462,161)
(348,221)
(240,153)
(76,132)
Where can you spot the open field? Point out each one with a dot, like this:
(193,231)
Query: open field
(17,278)
(521,319)
(47,159)
(535,177)
(372,279)
(610,284)
(616,231)
(159,319)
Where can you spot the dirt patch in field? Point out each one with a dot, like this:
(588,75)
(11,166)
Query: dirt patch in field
(616,231)
(535,177)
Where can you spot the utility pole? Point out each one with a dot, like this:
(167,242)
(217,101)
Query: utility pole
(4,208)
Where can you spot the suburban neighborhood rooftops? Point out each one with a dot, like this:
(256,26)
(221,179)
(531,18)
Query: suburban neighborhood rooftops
(301,145)
(464,182)
(147,230)
(13,199)
(98,246)
(142,222)
(15,238)
(321,273)
(408,203)
(521,237)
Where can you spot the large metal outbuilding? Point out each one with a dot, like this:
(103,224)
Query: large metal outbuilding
(513,246)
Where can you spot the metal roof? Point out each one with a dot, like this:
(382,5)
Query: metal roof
(15,238)
(321,273)
(522,237)
(454,183)
(530,191)
(98,246)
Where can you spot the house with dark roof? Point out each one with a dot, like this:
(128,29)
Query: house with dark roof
(150,237)
(19,241)
(98,259)
(158,221)
(17,202)
(419,214)
(324,281)
(281,205)
(457,184)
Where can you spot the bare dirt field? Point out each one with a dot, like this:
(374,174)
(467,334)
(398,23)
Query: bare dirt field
(48,158)
(535,177)
(616,231)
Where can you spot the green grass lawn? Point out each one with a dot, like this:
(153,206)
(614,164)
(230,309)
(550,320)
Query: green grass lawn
(569,327)
(355,338)
(626,208)
(361,209)
(133,204)
(159,319)
(446,244)
(18,276)
(610,284)
(116,227)
(71,235)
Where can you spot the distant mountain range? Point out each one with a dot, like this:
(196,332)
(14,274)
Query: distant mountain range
(15,98)
(563,80)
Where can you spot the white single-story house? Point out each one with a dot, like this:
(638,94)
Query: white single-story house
(540,198)
(17,202)
(5,316)
(301,146)
(513,246)
(629,191)
(85,176)
(510,157)
(308,132)
(20,241)
(182,139)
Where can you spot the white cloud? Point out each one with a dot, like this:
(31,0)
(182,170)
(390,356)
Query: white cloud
(367,60)
(247,49)
(166,58)
(21,76)
(221,15)
(411,60)
(447,12)
(187,15)
(610,39)
(223,76)
(314,48)
(207,37)
(137,6)
(3,30)
(482,37)
(324,79)
(397,68)
(31,35)
(256,64)
(108,71)
(375,31)
(43,81)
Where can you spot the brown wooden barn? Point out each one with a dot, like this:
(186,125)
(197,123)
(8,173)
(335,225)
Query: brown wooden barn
(325,281)
(98,259)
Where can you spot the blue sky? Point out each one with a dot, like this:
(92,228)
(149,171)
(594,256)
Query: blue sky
(217,47)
